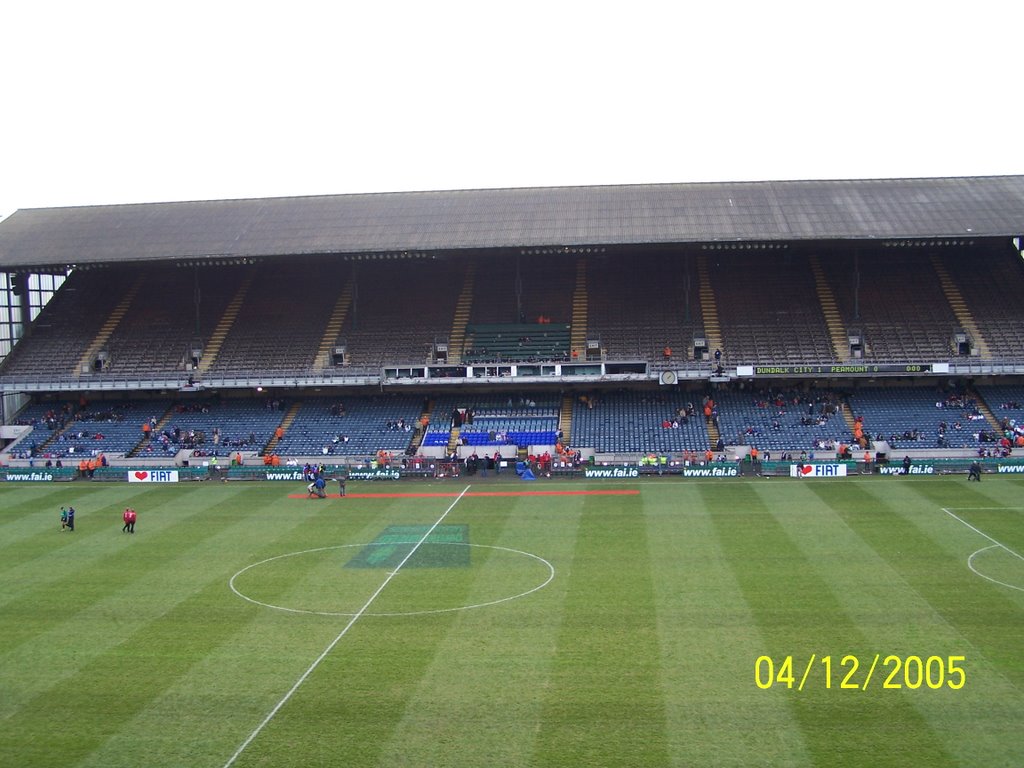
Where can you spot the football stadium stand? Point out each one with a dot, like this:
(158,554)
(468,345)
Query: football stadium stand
(800,309)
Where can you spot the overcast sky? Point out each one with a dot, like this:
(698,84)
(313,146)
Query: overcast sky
(120,102)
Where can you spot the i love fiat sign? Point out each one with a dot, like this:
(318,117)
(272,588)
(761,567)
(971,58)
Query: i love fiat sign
(817,470)
(153,476)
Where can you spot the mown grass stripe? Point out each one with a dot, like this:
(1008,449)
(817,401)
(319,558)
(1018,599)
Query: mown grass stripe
(606,672)
(873,592)
(516,657)
(46,593)
(364,684)
(708,638)
(478,702)
(390,575)
(145,577)
(995,506)
(31,530)
(929,550)
(799,615)
(97,535)
(63,724)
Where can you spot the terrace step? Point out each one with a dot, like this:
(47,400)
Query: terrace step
(227,320)
(580,304)
(334,324)
(959,306)
(463,309)
(107,329)
(827,300)
(708,306)
(286,422)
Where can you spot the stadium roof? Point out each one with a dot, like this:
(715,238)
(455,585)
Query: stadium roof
(517,218)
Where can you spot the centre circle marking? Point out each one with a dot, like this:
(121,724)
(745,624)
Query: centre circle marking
(970,564)
(254,601)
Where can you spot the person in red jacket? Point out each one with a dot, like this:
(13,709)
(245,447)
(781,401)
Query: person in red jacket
(126,516)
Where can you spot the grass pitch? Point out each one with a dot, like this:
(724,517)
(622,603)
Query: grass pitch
(242,627)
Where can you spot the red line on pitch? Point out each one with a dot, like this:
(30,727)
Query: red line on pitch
(477,493)
(557,493)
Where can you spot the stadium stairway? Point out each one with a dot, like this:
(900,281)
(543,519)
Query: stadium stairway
(216,340)
(146,440)
(827,300)
(286,422)
(959,306)
(578,339)
(419,433)
(708,307)
(453,439)
(851,420)
(713,434)
(463,307)
(108,328)
(990,417)
(55,435)
(565,419)
(334,324)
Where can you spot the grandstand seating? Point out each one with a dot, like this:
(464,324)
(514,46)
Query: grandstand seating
(243,424)
(364,422)
(546,283)
(156,334)
(621,422)
(638,306)
(895,411)
(522,419)
(766,302)
(111,427)
(903,313)
(400,310)
(281,321)
(1005,401)
(992,290)
(67,325)
(516,342)
(778,419)
(768,308)
(608,422)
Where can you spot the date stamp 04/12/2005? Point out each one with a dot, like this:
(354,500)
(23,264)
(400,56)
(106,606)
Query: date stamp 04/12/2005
(854,673)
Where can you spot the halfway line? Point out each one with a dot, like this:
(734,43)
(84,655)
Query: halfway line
(336,640)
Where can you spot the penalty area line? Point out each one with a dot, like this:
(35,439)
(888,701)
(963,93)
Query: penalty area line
(336,640)
(981,532)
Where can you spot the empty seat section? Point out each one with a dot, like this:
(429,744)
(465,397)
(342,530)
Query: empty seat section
(627,422)
(781,419)
(362,426)
(910,417)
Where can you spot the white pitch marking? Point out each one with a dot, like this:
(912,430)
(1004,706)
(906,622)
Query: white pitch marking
(982,533)
(991,509)
(254,601)
(995,543)
(335,641)
(970,564)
